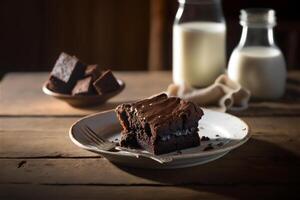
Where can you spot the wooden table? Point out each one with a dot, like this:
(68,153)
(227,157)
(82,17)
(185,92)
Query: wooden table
(38,160)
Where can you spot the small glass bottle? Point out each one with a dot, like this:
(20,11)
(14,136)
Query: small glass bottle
(257,63)
(199,34)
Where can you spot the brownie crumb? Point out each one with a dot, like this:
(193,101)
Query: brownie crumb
(217,135)
(220,144)
(20,164)
(204,138)
(209,147)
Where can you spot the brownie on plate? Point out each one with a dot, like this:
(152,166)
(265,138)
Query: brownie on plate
(160,124)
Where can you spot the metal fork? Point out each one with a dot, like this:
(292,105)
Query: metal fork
(101,143)
(139,153)
(108,146)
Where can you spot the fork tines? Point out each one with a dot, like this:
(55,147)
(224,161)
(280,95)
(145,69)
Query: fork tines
(93,136)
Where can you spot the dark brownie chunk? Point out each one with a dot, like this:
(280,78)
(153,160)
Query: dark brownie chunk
(106,83)
(84,87)
(160,124)
(67,70)
(94,71)
(204,138)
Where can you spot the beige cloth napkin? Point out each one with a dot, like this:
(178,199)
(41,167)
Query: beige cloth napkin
(224,94)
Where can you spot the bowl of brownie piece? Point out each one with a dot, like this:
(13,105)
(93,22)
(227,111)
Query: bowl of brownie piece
(79,84)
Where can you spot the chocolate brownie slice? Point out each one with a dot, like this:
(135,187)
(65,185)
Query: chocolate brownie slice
(106,83)
(94,71)
(67,70)
(160,124)
(84,87)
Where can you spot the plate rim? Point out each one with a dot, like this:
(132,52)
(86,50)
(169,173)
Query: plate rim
(175,157)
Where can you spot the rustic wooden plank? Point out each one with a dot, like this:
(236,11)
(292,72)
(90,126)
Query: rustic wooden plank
(262,124)
(258,109)
(102,192)
(48,137)
(36,144)
(147,192)
(274,143)
(138,85)
(38,137)
(271,156)
(226,171)
(24,90)
(58,145)
(36,123)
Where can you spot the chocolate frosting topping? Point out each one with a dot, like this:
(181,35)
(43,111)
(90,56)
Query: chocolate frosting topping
(161,111)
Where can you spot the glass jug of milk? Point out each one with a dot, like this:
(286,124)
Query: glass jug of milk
(199,33)
(257,63)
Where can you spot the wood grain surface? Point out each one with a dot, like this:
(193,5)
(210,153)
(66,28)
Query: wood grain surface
(39,161)
(24,90)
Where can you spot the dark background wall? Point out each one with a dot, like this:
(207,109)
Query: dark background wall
(119,34)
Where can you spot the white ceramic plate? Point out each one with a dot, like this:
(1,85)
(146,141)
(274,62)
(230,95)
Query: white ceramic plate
(225,131)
